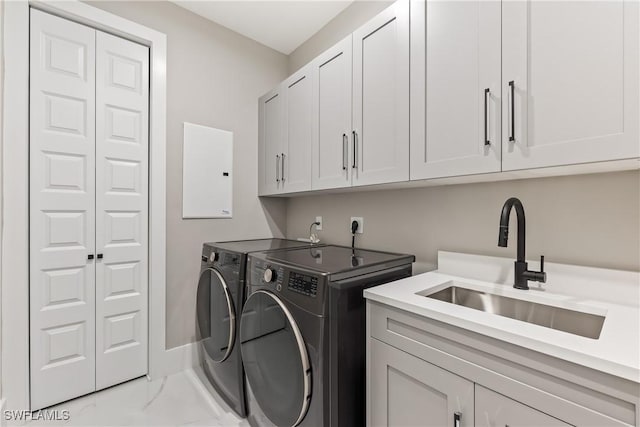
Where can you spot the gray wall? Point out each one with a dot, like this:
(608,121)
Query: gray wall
(214,78)
(588,220)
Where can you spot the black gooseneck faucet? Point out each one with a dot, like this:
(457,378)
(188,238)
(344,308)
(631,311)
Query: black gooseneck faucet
(522,274)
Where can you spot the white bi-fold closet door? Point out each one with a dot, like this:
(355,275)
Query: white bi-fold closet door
(89,106)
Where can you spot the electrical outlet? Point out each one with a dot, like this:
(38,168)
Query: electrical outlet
(319,219)
(360,221)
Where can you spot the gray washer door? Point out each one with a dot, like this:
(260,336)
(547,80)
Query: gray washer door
(216,315)
(275,359)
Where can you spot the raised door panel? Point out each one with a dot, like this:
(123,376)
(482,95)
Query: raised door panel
(296,152)
(332,130)
(122,151)
(495,410)
(61,202)
(381,97)
(455,88)
(407,391)
(571,80)
(270,147)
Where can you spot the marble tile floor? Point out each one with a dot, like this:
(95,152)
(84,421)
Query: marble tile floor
(182,399)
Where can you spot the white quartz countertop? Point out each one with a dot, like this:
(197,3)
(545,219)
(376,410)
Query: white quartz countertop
(616,351)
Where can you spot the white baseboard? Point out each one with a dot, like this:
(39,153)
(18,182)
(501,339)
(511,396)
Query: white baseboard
(201,383)
(224,413)
(178,359)
(3,422)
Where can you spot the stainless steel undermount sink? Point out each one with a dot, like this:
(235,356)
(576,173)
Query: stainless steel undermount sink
(571,321)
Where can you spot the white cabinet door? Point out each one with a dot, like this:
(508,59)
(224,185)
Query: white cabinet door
(270,146)
(122,146)
(296,151)
(570,82)
(407,391)
(62,209)
(331,156)
(455,88)
(495,410)
(381,97)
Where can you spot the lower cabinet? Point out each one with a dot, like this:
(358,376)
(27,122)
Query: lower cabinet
(496,410)
(407,391)
(421,372)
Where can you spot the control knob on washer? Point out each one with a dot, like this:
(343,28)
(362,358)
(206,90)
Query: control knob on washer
(269,275)
(213,257)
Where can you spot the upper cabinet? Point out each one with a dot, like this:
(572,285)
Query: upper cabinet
(284,145)
(343,119)
(270,145)
(441,89)
(296,152)
(361,102)
(570,82)
(332,129)
(455,88)
(381,98)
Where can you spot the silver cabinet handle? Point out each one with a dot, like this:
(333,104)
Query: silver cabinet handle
(456,419)
(345,142)
(512,112)
(282,167)
(355,150)
(487,92)
(277,168)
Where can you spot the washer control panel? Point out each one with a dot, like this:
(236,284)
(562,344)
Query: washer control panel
(303,288)
(303,284)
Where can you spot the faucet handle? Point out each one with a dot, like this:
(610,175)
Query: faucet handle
(536,276)
(541,275)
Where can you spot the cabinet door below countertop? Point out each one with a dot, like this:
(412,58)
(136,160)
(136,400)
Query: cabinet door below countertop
(407,391)
(496,410)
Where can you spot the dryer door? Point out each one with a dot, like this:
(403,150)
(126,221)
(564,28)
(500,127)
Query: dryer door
(275,359)
(216,315)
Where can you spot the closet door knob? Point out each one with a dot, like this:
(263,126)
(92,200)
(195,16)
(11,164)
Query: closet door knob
(100,256)
(90,256)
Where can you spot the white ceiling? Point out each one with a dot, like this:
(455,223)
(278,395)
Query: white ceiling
(281,25)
